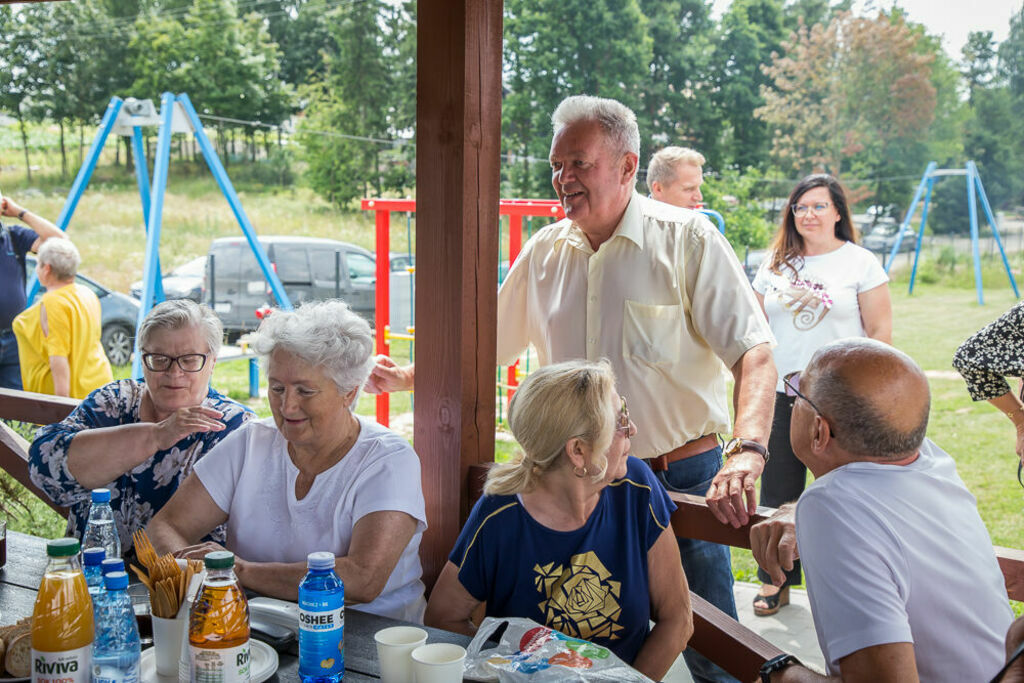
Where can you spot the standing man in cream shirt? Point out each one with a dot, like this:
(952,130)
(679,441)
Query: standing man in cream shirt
(658,292)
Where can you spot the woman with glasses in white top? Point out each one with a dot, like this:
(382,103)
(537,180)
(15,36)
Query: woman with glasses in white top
(816,286)
(140,439)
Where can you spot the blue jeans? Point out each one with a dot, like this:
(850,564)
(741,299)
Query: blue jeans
(708,566)
(10,370)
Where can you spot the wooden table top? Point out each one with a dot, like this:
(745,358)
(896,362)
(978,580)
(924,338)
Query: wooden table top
(26,562)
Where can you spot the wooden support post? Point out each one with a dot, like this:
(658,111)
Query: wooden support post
(458,134)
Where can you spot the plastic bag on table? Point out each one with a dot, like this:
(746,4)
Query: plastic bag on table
(531,652)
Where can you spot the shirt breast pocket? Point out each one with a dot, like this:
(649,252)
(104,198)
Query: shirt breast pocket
(651,332)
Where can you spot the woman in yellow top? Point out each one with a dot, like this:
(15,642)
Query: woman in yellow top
(59,344)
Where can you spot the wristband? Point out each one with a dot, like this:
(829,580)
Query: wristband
(21,216)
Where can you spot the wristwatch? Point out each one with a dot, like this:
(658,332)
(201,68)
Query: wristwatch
(777,663)
(736,444)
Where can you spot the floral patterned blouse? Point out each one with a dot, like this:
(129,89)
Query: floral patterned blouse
(992,353)
(139,493)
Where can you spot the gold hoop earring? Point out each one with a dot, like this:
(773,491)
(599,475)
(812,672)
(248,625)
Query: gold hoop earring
(578,473)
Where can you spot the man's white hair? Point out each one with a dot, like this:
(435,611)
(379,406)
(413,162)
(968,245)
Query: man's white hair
(665,163)
(617,120)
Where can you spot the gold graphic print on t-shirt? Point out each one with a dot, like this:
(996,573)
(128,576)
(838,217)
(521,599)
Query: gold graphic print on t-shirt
(807,300)
(582,600)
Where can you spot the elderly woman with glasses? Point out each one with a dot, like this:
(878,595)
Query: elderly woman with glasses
(313,477)
(574,533)
(141,439)
(816,286)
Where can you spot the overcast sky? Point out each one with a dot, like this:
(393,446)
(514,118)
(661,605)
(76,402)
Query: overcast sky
(952,19)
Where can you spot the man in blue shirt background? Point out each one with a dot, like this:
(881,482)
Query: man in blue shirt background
(15,242)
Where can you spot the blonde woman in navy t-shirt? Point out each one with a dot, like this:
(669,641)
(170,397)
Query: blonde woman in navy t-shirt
(575,533)
(816,286)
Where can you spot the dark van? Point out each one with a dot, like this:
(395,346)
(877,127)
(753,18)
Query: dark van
(310,268)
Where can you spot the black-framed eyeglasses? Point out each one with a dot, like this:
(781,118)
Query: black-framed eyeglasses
(792,383)
(623,422)
(801,210)
(189,362)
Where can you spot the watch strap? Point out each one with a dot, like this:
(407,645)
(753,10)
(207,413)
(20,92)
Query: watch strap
(21,214)
(737,444)
(776,663)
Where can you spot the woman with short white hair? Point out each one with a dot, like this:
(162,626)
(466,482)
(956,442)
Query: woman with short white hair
(313,477)
(59,345)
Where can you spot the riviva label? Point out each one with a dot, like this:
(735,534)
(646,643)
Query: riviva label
(225,665)
(70,666)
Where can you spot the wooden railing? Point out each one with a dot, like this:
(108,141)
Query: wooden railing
(717,636)
(40,409)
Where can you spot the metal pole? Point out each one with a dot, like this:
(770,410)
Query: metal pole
(160,165)
(920,232)
(995,230)
(910,214)
(81,180)
(142,180)
(221,176)
(972,208)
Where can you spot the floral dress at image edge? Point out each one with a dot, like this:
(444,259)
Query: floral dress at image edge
(139,493)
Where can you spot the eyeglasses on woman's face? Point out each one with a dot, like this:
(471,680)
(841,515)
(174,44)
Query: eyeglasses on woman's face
(792,384)
(818,208)
(189,362)
(622,424)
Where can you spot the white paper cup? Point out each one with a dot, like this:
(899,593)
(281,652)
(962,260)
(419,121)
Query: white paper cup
(394,645)
(438,663)
(168,635)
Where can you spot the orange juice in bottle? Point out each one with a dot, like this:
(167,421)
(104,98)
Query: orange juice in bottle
(218,625)
(62,627)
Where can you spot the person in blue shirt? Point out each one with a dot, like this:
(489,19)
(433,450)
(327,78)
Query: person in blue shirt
(15,242)
(141,439)
(575,533)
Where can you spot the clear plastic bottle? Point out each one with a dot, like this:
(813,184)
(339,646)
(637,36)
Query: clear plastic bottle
(100,530)
(62,622)
(218,624)
(321,622)
(91,559)
(117,648)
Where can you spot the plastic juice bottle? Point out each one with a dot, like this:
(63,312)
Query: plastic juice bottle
(218,625)
(62,621)
(321,622)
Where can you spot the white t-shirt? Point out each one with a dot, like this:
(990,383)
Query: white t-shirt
(896,554)
(251,477)
(818,304)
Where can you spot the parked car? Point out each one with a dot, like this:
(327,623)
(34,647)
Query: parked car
(310,269)
(883,236)
(119,314)
(184,282)
(752,262)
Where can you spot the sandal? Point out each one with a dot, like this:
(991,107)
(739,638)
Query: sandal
(773,602)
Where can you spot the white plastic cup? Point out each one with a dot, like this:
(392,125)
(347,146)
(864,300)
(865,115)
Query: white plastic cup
(168,635)
(394,645)
(438,663)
